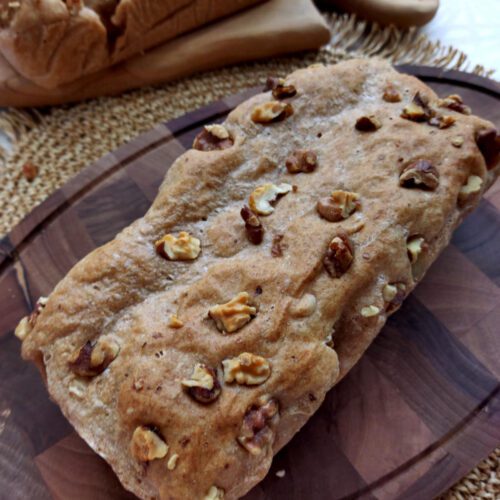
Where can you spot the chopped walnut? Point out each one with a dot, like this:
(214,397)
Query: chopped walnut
(457,141)
(246,369)
(418,110)
(77,389)
(256,431)
(253,226)
(302,160)
(147,444)
(370,311)
(39,306)
(280,89)
(488,142)
(271,112)
(415,246)
(175,322)
(391,94)
(455,103)
(30,171)
(214,493)
(420,174)
(303,307)
(471,188)
(172,462)
(261,199)
(23,329)
(234,314)
(368,123)
(93,358)
(339,256)
(393,294)
(203,384)
(278,245)
(212,138)
(183,247)
(442,121)
(338,206)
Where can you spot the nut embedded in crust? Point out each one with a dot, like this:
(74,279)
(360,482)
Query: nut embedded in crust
(246,369)
(256,432)
(203,385)
(338,206)
(442,121)
(420,174)
(94,357)
(339,256)
(183,247)
(415,246)
(455,103)
(470,189)
(391,94)
(147,444)
(280,89)
(253,227)
(213,138)
(174,321)
(370,311)
(271,112)
(214,493)
(233,315)
(302,160)
(418,110)
(262,198)
(368,123)
(393,294)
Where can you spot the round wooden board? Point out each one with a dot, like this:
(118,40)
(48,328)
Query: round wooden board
(419,410)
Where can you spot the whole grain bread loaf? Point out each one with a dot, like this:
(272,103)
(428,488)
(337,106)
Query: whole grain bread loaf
(52,42)
(192,347)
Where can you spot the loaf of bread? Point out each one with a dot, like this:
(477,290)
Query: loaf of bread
(51,42)
(192,347)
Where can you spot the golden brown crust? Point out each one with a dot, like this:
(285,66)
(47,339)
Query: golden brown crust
(126,293)
(52,42)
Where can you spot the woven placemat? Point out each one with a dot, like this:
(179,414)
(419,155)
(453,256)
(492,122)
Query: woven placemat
(58,142)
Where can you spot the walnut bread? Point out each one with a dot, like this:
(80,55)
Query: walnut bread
(192,347)
(52,42)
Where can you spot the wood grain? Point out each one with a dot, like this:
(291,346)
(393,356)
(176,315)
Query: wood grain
(420,409)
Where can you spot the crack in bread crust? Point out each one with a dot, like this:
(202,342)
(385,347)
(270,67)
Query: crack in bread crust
(309,325)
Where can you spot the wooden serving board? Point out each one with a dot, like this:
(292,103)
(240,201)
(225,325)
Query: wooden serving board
(419,410)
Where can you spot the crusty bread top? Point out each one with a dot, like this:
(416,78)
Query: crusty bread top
(52,42)
(294,291)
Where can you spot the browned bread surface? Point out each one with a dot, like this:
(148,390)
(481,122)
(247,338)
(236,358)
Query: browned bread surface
(368,198)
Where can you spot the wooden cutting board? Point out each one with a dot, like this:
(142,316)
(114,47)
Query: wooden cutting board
(420,409)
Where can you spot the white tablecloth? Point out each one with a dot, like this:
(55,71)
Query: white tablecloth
(473,26)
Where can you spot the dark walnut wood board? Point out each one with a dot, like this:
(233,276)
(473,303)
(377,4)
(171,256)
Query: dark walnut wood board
(415,415)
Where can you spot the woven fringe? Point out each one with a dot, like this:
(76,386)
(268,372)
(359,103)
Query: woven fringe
(350,36)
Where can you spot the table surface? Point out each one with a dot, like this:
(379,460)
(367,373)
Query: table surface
(472,26)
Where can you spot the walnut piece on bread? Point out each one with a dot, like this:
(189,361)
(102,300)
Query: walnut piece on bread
(262,198)
(233,315)
(182,247)
(147,444)
(246,369)
(203,384)
(338,206)
(271,112)
(93,358)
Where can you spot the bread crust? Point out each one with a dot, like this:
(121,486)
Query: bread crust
(52,42)
(126,292)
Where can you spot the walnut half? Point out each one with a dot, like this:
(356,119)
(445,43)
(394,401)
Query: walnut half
(263,197)
(271,112)
(256,432)
(339,256)
(234,314)
(338,206)
(420,174)
(213,138)
(246,369)
(182,247)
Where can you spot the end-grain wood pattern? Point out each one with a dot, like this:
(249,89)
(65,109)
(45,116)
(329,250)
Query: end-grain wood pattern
(420,409)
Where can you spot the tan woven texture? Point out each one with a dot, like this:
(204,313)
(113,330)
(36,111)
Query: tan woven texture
(62,140)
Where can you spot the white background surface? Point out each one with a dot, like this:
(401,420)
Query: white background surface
(473,26)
